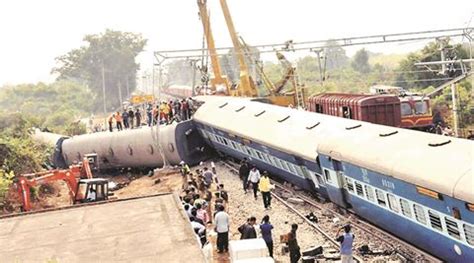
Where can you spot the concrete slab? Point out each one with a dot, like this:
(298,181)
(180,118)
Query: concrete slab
(150,229)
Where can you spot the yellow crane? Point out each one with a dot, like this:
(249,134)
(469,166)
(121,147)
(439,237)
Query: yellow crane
(247,85)
(219,80)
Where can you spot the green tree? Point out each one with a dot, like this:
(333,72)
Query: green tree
(414,77)
(53,106)
(360,62)
(111,54)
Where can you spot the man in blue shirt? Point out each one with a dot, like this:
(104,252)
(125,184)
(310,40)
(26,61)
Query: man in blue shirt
(346,244)
(266,229)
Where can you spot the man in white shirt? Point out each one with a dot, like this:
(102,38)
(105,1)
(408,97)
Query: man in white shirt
(221,220)
(91,196)
(199,229)
(254,178)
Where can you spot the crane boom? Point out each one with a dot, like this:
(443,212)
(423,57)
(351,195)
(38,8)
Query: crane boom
(247,85)
(218,79)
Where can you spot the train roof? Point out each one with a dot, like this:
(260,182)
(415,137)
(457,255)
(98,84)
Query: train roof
(401,153)
(440,163)
(238,117)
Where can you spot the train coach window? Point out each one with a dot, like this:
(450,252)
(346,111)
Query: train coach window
(435,220)
(380,197)
(359,189)
(350,184)
(369,192)
(291,168)
(284,165)
(327,176)
(452,227)
(406,109)
(225,141)
(300,172)
(405,206)
(346,112)
(240,147)
(392,203)
(319,108)
(421,107)
(469,233)
(419,214)
(234,146)
(275,162)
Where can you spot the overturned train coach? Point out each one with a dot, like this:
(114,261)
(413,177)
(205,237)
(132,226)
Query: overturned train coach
(135,148)
(416,185)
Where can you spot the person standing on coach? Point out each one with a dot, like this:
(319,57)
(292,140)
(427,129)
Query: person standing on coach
(138,117)
(222,228)
(244,171)
(265,187)
(346,244)
(131,116)
(254,178)
(266,229)
(110,120)
(118,121)
(125,119)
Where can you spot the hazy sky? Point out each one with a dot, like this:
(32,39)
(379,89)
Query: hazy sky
(34,32)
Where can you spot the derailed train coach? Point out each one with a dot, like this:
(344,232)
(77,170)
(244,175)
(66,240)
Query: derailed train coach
(416,185)
(134,148)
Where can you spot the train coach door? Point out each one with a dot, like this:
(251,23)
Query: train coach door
(335,184)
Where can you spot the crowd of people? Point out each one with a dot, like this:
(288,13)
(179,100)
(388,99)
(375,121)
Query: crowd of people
(205,201)
(127,119)
(168,111)
(200,190)
(164,112)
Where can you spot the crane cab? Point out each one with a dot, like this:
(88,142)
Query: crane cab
(92,190)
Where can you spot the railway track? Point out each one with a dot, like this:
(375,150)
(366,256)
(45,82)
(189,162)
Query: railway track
(382,245)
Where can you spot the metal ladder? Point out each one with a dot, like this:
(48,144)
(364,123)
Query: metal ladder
(299,92)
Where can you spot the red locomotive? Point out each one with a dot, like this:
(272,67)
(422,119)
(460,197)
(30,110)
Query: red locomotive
(386,105)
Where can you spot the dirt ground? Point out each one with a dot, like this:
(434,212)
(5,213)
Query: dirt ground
(168,180)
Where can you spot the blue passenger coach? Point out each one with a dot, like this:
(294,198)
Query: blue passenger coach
(418,186)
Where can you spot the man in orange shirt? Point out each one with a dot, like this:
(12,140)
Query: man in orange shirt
(118,121)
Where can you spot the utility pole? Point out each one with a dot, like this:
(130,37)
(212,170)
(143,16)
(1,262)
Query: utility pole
(318,53)
(160,147)
(119,86)
(103,87)
(153,80)
(128,87)
(455,110)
